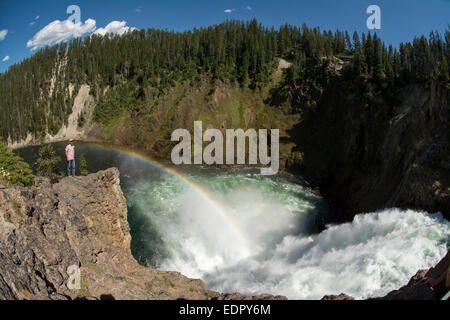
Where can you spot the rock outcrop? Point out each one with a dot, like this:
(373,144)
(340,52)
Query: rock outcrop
(80,222)
(388,153)
(340,297)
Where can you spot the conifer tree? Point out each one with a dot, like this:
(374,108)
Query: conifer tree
(48,162)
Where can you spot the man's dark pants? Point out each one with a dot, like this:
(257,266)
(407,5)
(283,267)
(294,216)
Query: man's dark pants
(71,163)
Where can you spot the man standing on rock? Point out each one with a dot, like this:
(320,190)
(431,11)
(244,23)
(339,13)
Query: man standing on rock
(70,156)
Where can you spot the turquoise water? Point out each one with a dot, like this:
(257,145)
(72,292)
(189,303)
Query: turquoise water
(252,234)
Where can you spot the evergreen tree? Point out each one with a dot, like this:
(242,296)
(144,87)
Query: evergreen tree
(48,162)
(83,166)
(242,52)
(13,170)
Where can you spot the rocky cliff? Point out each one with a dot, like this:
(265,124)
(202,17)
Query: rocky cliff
(387,153)
(81,222)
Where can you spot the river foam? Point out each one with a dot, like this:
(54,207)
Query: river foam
(265,243)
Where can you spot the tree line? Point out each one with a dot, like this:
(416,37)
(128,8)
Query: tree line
(37,94)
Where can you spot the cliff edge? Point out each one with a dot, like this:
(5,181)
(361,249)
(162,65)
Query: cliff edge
(80,222)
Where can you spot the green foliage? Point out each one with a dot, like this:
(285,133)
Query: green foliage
(29,102)
(48,162)
(369,66)
(144,63)
(127,96)
(83,166)
(13,170)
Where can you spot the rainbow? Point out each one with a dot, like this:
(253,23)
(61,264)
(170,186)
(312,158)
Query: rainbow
(175,173)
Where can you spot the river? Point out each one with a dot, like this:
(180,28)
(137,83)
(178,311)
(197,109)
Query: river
(241,232)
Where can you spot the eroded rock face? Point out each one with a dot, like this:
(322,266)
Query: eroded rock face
(378,155)
(80,221)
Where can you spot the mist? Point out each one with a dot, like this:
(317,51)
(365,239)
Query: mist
(265,242)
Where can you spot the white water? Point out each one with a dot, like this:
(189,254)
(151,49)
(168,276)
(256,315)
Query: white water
(376,253)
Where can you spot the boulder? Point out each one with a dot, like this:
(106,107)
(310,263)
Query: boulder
(341,296)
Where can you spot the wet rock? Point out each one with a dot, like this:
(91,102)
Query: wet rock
(417,277)
(420,291)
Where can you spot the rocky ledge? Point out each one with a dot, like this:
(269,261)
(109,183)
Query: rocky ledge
(80,222)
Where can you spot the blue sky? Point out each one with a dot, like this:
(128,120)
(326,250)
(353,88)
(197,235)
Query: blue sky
(401,20)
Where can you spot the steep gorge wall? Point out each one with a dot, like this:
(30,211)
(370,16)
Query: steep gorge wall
(363,157)
(83,103)
(384,154)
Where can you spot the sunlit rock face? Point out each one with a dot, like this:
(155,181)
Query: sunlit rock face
(79,221)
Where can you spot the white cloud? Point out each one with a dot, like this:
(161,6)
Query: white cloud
(115,27)
(59,31)
(138,9)
(33,22)
(3,34)
(35,19)
(229,10)
(248,8)
(5,58)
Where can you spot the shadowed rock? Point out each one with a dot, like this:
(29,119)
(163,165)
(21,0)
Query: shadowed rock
(341,296)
